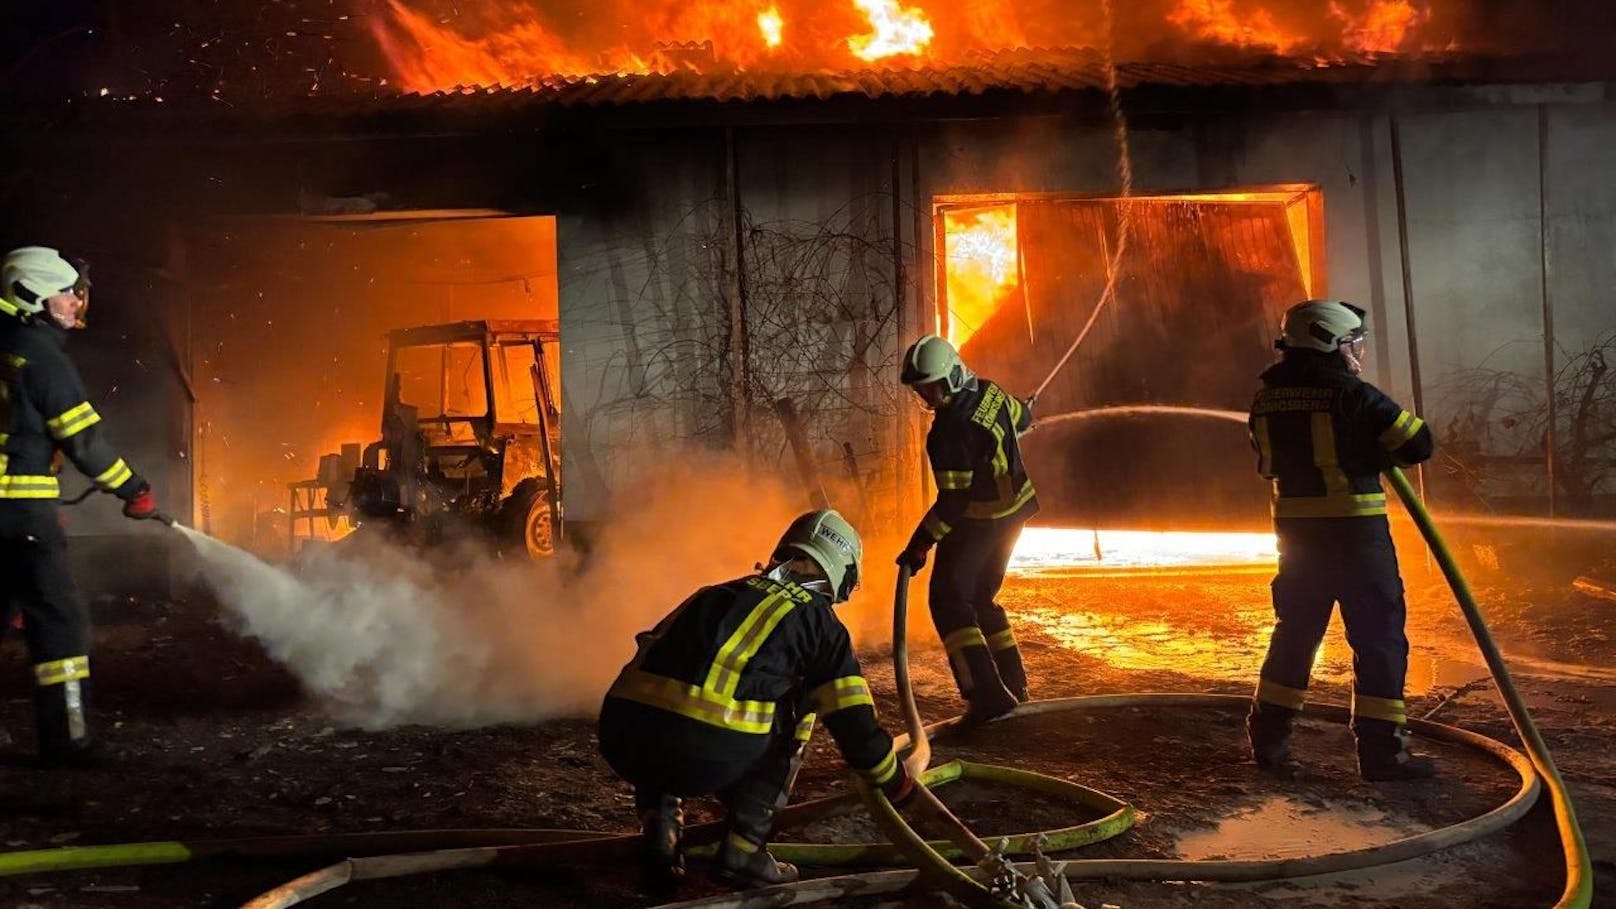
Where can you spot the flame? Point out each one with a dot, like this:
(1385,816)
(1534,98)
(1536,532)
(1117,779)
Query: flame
(980,250)
(1069,547)
(1217,20)
(1384,27)
(771,26)
(898,30)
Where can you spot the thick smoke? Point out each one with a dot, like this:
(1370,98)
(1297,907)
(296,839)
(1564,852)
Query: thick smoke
(389,637)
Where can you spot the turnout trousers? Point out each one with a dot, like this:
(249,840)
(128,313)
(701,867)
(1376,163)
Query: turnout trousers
(1350,561)
(975,630)
(34,577)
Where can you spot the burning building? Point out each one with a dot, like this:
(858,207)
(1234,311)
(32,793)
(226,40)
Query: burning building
(730,205)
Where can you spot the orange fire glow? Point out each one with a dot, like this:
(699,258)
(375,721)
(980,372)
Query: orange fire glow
(1046,548)
(897,30)
(1385,27)
(980,250)
(771,26)
(1218,21)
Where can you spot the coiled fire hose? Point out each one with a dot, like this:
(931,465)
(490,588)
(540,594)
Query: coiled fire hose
(483,848)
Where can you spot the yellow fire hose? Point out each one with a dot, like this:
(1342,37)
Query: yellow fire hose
(931,860)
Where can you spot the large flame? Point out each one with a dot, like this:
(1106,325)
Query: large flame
(980,262)
(1044,548)
(771,27)
(1218,21)
(1384,27)
(898,30)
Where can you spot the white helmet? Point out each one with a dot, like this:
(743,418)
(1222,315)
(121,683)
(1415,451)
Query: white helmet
(31,274)
(833,545)
(933,359)
(1322,325)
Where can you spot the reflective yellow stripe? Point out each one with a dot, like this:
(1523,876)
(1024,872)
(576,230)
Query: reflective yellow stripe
(1401,430)
(805,728)
(1373,708)
(1348,506)
(5,462)
(935,526)
(1002,640)
(840,694)
(1001,458)
(1325,458)
(4,438)
(954,479)
(1281,695)
(73,421)
(9,308)
(1001,508)
(16,360)
(1265,448)
(29,487)
(1015,410)
(883,772)
(969,636)
(741,844)
(57,672)
(695,702)
(736,652)
(116,475)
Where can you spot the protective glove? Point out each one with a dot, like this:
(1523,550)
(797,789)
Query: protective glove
(142,506)
(901,789)
(913,556)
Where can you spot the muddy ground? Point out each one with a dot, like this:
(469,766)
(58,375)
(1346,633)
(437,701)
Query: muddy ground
(217,742)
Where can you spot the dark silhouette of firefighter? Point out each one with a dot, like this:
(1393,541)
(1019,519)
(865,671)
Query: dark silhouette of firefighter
(1322,436)
(983,498)
(45,415)
(722,698)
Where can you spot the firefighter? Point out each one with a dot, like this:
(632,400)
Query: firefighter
(44,415)
(983,498)
(722,697)
(1322,436)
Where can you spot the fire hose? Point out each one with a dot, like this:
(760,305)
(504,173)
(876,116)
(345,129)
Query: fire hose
(931,861)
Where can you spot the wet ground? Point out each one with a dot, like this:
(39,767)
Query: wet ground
(219,743)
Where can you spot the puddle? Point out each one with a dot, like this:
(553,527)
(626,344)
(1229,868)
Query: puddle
(1284,827)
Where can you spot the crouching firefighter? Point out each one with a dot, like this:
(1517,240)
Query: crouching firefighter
(722,696)
(1322,436)
(44,414)
(983,498)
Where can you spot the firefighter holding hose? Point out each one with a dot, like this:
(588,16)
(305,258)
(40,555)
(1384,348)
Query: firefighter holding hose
(1322,436)
(45,414)
(722,696)
(983,498)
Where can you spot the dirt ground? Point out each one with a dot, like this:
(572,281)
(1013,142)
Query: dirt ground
(218,742)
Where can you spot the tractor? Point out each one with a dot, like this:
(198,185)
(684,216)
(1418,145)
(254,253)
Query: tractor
(470,443)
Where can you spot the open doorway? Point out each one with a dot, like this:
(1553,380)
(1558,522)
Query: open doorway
(1199,291)
(291,323)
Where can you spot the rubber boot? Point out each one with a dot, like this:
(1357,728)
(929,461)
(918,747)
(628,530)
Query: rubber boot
(1383,754)
(986,698)
(1011,672)
(62,722)
(662,827)
(743,859)
(1269,728)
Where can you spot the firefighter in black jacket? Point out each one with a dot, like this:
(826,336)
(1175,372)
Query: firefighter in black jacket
(722,696)
(983,498)
(44,413)
(1322,436)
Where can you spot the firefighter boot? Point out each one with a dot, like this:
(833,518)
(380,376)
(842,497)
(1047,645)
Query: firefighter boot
(986,698)
(743,859)
(1269,727)
(1011,672)
(63,726)
(1383,754)
(662,826)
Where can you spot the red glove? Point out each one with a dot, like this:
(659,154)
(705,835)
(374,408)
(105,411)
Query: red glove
(900,790)
(142,506)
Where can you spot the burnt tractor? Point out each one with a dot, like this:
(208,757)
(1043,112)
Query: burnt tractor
(470,443)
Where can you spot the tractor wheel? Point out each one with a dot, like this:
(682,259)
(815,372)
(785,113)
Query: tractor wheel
(526,523)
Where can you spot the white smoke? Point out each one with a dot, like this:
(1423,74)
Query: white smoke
(387,637)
